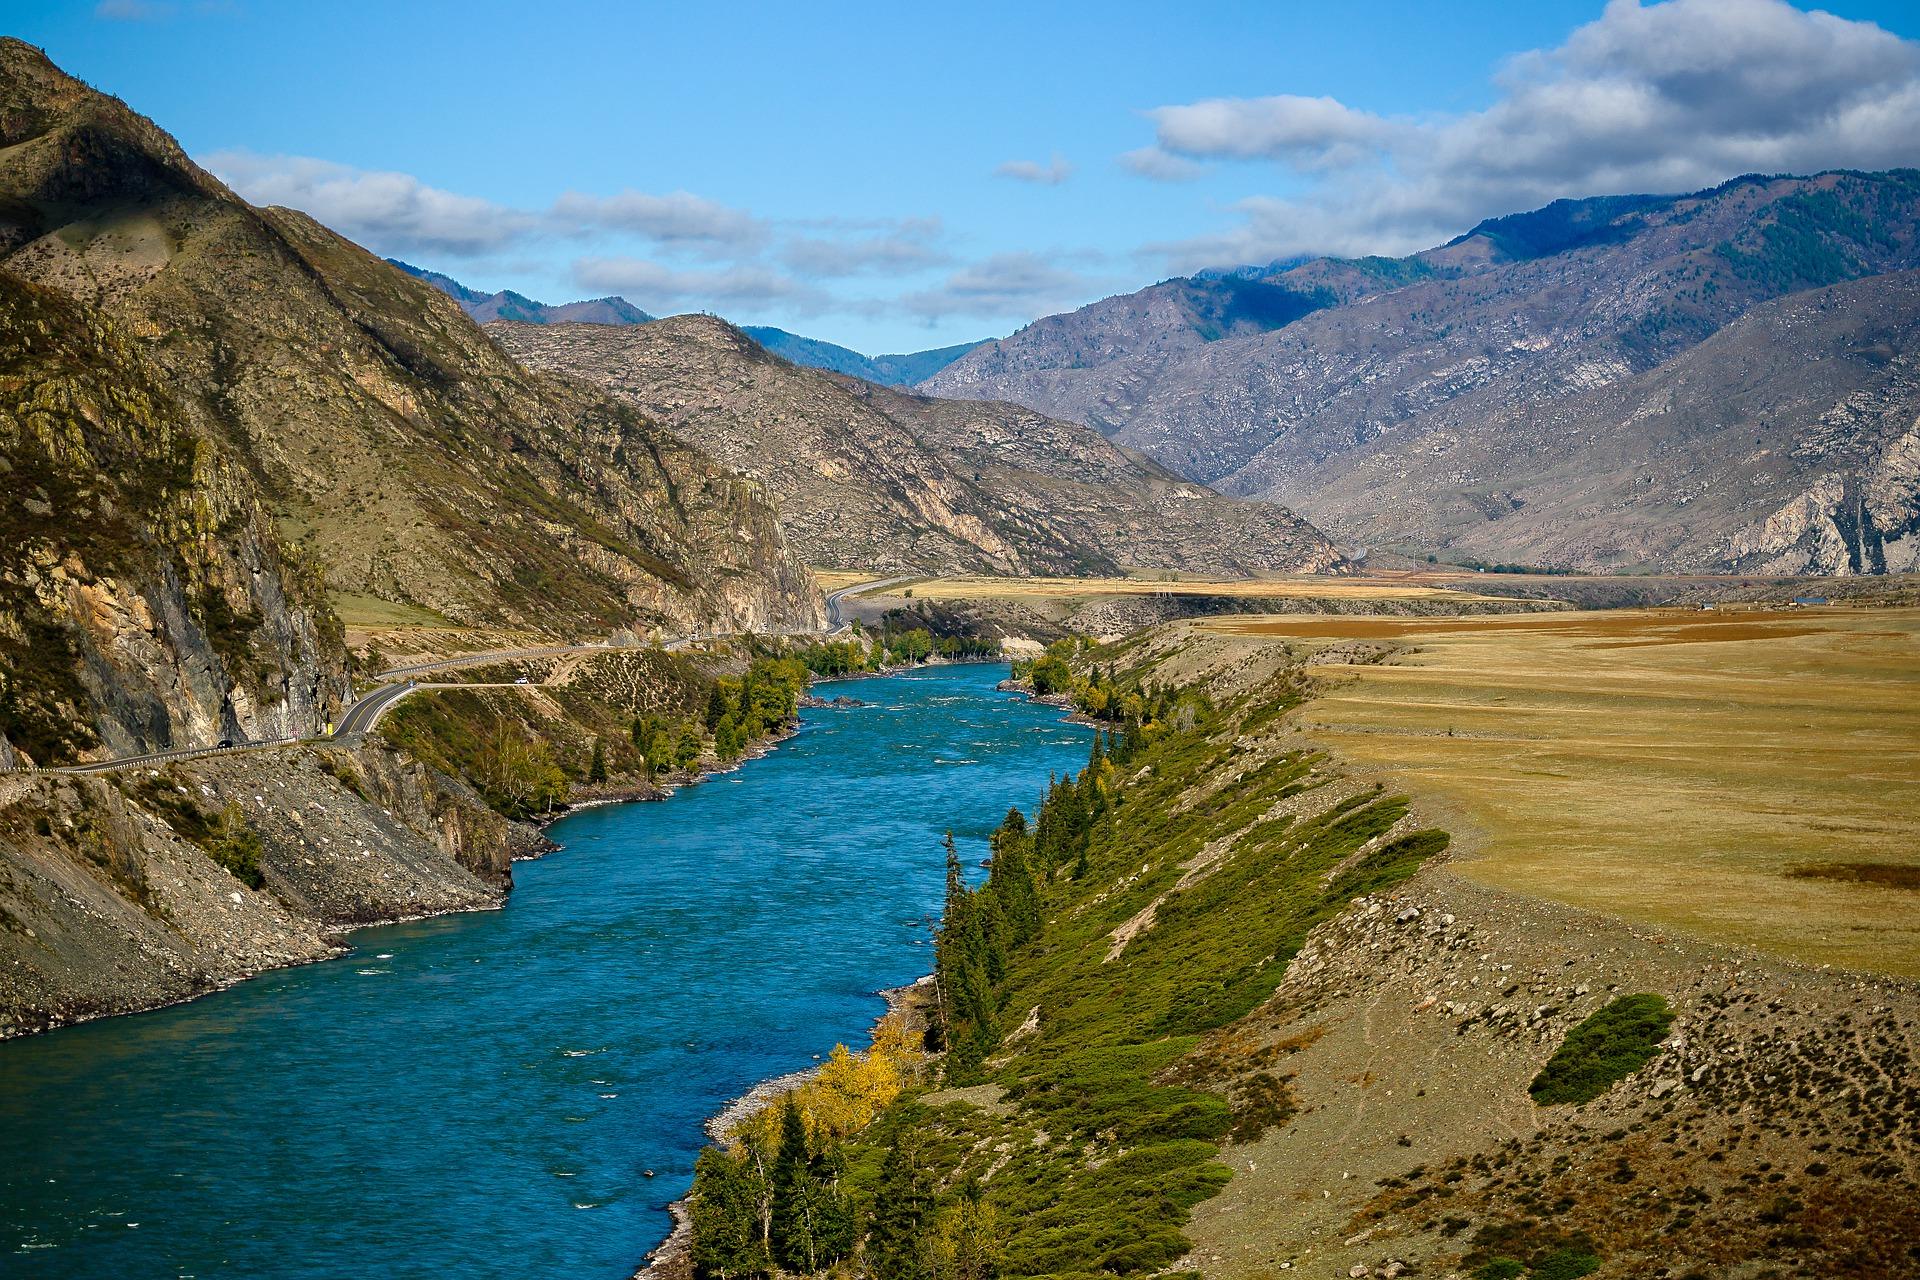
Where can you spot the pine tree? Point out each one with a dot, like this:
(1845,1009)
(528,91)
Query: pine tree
(902,1213)
(597,768)
(793,1246)
(726,1219)
(717,707)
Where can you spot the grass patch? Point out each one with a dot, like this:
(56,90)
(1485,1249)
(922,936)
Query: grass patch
(1605,1049)
(1889,874)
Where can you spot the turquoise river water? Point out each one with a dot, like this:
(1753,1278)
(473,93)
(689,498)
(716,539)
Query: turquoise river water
(483,1095)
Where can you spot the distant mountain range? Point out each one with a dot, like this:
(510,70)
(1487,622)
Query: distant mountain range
(508,305)
(1723,380)
(892,371)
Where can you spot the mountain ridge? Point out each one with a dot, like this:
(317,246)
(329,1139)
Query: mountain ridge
(900,369)
(872,477)
(341,427)
(1399,364)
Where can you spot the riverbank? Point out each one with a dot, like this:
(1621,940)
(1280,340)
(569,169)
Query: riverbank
(672,1258)
(540,1057)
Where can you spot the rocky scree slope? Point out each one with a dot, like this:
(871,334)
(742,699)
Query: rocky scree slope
(391,441)
(1402,402)
(870,477)
(112,898)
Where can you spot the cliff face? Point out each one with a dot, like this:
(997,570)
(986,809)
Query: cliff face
(146,600)
(869,477)
(216,414)
(110,901)
(1485,397)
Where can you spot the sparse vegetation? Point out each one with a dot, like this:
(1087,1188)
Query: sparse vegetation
(1604,1050)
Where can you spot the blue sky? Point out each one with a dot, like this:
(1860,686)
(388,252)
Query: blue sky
(900,176)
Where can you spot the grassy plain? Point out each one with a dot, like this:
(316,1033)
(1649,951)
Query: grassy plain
(1751,778)
(981,587)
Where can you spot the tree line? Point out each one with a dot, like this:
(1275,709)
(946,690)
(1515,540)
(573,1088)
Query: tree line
(740,710)
(891,647)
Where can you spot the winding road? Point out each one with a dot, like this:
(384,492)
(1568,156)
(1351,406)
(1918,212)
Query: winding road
(360,716)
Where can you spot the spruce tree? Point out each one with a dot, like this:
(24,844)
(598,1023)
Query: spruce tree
(725,1218)
(793,1243)
(902,1213)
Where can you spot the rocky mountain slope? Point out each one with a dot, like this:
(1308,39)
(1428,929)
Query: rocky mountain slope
(214,409)
(871,477)
(1405,402)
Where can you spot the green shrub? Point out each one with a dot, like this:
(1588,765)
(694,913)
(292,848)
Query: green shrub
(1501,1269)
(1605,1049)
(1565,1264)
(236,846)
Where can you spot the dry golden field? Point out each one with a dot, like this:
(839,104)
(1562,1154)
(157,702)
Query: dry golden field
(1752,778)
(981,587)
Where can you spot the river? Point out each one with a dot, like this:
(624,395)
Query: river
(485,1095)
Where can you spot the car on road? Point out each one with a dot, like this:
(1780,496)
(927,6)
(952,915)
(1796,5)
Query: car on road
(521,680)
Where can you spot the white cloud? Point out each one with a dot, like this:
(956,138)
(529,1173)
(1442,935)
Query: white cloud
(1005,284)
(660,288)
(1050,174)
(393,213)
(909,245)
(1664,97)
(679,217)
(1308,133)
(1161,166)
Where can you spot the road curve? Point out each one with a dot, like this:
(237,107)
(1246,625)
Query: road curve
(363,713)
(835,597)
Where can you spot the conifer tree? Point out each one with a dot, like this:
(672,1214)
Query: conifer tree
(726,1218)
(902,1213)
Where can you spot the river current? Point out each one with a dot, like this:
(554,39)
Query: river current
(520,1093)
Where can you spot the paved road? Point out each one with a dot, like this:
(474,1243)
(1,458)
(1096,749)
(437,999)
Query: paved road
(361,715)
(835,597)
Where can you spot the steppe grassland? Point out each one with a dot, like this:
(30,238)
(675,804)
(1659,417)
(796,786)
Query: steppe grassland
(1750,778)
(981,587)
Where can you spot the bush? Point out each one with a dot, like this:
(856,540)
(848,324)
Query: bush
(236,846)
(1565,1264)
(1605,1049)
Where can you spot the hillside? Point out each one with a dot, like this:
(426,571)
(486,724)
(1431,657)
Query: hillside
(870,477)
(268,407)
(1405,403)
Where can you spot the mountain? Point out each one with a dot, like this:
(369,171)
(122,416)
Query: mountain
(1498,397)
(508,305)
(870,477)
(215,415)
(889,371)
(894,371)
